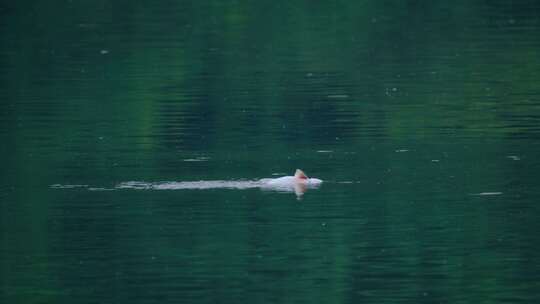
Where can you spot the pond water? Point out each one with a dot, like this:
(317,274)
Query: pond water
(134,135)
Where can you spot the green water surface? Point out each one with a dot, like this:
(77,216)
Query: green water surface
(421,117)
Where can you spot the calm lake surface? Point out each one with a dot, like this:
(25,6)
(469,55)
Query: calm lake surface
(422,118)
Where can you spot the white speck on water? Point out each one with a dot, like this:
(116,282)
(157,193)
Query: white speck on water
(104,52)
(59,186)
(100,189)
(402,150)
(487,193)
(513,157)
(325,151)
(197,159)
(338,96)
(435,160)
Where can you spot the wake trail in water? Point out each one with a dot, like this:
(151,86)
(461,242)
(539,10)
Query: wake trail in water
(193,185)
(266,184)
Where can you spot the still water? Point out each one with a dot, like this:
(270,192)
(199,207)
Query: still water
(133,133)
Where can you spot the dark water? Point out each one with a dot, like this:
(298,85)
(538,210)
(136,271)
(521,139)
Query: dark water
(422,118)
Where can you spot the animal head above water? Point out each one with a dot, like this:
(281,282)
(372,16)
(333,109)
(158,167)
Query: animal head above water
(300,174)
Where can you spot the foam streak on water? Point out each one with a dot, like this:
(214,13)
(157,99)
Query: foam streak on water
(196,185)
(264,184)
